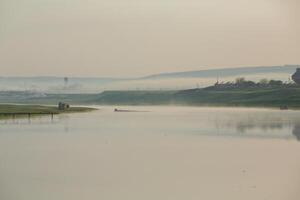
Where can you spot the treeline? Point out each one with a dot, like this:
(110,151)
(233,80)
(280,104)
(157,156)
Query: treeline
(243,83)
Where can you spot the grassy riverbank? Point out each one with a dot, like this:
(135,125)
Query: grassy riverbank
(250,97)
(211,96)
(6,109)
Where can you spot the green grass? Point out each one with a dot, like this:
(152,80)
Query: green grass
(134,97)
(255,97)
(38,109)
(250,97)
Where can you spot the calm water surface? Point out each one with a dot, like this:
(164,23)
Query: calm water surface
(235,122)
(156,153)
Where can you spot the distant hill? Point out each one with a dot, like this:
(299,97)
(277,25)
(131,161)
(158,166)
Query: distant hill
(226,72)
(166,81)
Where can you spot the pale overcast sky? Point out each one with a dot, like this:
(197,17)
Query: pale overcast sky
(140,37)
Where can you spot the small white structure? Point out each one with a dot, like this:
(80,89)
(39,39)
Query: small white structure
(63,106)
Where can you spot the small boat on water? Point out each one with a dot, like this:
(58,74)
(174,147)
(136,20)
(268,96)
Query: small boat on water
(119,110)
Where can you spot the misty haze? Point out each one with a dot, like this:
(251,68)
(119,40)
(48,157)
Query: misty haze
(143,100)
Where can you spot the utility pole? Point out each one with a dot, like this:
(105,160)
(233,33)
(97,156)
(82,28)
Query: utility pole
(66,80)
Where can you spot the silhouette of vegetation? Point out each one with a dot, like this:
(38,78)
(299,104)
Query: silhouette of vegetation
(241,82)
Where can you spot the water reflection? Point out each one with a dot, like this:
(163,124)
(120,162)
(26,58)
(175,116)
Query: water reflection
(244,125)
(296,131)
(272,122)
(28,120)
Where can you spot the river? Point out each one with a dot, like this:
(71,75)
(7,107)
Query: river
(152,152)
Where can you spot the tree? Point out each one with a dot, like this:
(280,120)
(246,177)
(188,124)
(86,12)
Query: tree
(264,81)
(240,80)
(275,82)
(249,83)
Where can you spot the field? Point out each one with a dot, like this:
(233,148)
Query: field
(254,97)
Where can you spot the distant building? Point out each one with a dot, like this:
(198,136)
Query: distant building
(63,106)
(296,76)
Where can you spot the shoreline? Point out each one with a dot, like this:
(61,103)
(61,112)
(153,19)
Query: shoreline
(275,97)
(92,107)
(18,110)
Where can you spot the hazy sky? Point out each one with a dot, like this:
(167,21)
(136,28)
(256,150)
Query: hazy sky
(139,37)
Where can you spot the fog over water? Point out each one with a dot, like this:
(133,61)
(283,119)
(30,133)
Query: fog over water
(155,153)
(232,122)
(151,152)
